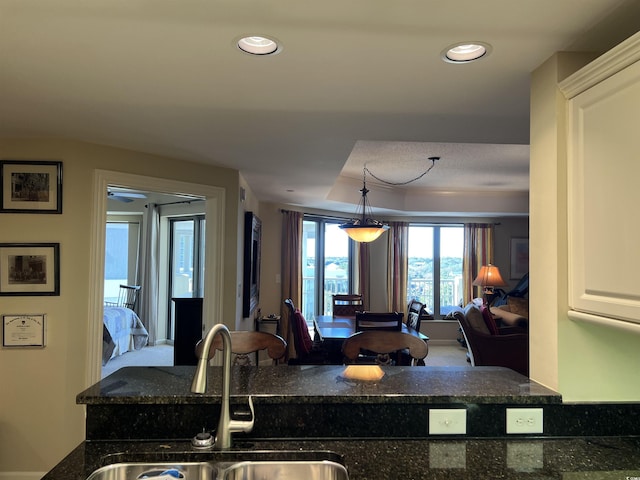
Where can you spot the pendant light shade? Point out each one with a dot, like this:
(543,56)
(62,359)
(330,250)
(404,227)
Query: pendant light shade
(364,229)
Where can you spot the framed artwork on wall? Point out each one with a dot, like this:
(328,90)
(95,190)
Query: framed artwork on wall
(519,257)
(29,269)
(251,270)
(30,186)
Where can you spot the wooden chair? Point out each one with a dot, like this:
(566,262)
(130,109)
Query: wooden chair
(127,297)
(414,315)
(383,344)
(379,321)
(243,343)
(308,351)
(346,305)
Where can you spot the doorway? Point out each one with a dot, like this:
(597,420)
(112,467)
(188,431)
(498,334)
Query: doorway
(213,234)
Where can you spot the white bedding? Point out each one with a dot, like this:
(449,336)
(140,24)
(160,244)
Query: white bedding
(123,331)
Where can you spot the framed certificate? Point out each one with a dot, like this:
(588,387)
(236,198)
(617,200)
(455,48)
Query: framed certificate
(25,330)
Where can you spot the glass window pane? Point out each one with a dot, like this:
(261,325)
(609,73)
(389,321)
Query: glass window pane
(451,250)
(336,264)
(420,277)
(116,260)
(182,259)
(309,235)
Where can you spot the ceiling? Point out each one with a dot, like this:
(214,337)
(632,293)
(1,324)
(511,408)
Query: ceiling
(357,82)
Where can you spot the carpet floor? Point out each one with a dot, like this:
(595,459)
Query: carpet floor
(162,356)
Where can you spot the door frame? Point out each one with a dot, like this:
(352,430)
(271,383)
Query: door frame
(214,248)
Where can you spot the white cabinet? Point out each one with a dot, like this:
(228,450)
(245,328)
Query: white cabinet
(603,149)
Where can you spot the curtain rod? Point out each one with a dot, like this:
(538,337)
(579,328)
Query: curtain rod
(176,203)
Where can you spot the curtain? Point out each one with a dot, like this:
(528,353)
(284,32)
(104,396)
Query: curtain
(398,266)
(363,269)
(478,251)
(291,274)
(148,297)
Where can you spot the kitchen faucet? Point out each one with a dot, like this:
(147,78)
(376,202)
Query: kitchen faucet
(226,426)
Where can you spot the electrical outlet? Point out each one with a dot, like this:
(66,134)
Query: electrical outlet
(524,420)
(447,421)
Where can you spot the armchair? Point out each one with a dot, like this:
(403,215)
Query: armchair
(493,347)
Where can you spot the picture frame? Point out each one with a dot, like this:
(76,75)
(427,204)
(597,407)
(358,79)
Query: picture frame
(519,257)
(251,269)
(29,269)
(30,186)
(24,331)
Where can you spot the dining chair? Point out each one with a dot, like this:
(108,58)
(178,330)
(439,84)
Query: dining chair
(414,315)
(308,350)
(244,343)
(383,344)
(379,321)
(346,305)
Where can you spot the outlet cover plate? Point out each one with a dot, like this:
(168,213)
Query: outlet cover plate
(447,421)
(524,420)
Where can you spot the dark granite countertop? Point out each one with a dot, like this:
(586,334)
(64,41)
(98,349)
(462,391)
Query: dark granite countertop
(571,458)
(322,384)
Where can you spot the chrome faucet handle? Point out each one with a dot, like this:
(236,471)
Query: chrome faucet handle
(242,425)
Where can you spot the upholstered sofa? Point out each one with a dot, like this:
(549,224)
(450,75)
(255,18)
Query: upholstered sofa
(491,345)
(514,314)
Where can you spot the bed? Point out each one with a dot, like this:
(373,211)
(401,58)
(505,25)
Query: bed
(122,332)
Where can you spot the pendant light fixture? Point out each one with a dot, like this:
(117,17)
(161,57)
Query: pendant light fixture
(364,228)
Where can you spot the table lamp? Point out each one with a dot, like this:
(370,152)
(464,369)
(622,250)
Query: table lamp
(489,277)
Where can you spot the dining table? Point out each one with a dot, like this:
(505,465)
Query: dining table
(333,331)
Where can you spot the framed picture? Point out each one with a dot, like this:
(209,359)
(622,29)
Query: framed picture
(30,186)
(519,257)
(26,330)
(29,269)
(251,277)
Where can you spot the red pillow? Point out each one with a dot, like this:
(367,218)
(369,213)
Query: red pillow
(489,321)
(301,330)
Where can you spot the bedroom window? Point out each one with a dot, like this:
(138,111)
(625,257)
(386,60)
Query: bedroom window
(186,252)
(121,256)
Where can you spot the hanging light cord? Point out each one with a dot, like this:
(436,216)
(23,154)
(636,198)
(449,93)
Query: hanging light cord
(433,162)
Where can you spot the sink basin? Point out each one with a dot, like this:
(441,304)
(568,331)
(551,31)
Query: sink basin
(308,470)
(224,470)
(157,471)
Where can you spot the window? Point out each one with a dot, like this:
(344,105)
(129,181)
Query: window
(327,254)
(187,259)
(121,256)
(435,266)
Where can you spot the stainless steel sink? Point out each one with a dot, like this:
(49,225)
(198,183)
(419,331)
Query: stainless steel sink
(308,470)
(157,471)
(212,470)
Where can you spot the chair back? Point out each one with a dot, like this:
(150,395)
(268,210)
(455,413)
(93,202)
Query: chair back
(127,297)
(379,321)
(383,343)
(344,305)
(414,315)
(301,339)
(243,343)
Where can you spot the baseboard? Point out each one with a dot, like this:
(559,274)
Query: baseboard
(21,475)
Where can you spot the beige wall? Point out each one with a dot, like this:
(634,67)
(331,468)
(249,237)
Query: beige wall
(585,363)
(39,419)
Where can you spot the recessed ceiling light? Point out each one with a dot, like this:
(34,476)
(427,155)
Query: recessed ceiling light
(465,52)
(258,45)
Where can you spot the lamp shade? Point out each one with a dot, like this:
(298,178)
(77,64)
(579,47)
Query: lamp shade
(489,276)
(364,233)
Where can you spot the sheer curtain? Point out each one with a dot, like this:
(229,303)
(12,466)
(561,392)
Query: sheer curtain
(398,266)
(291,275)
(478,251)
(148,298)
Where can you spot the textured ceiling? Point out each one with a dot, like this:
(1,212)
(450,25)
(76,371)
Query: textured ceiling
(165,77)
